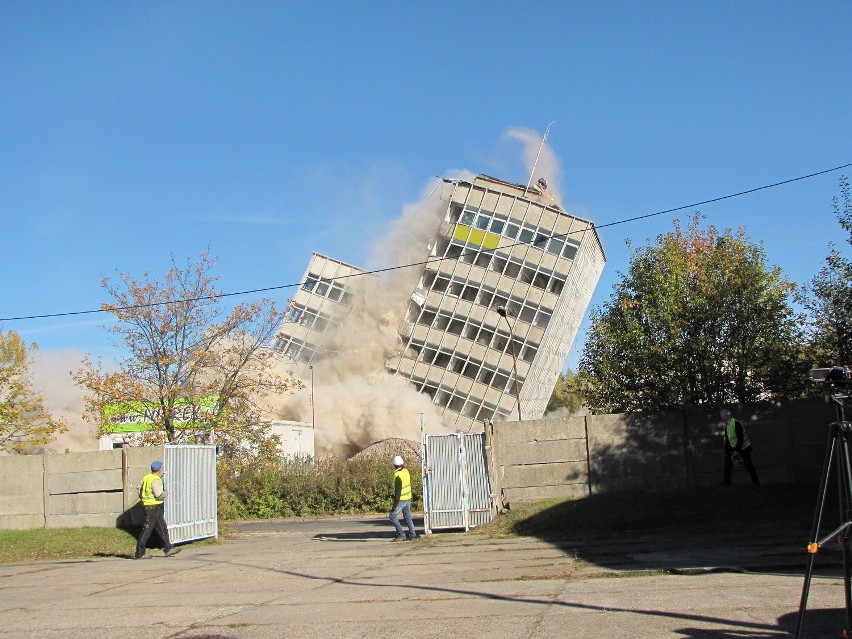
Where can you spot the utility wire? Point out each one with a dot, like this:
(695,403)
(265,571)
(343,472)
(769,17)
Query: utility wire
(425,262)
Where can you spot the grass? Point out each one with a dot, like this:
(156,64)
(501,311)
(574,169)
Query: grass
(44,544)
(64,543)
(780,509)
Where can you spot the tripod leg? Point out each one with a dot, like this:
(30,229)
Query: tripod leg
(813,546)
(844,475)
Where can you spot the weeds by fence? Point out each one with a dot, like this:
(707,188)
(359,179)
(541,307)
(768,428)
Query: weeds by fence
(305,487)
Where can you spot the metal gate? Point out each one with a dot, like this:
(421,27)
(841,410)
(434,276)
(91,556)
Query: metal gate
(456,491)
(190,478)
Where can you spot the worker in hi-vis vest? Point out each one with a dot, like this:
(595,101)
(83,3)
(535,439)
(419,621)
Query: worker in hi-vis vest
(402,500)
(153,495)
(737,448)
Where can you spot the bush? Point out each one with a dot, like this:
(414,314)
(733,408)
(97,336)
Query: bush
(308,487)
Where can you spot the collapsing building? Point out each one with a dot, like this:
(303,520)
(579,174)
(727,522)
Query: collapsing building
(497,305)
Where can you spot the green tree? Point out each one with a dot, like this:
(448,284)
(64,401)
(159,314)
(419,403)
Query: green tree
(566,394)
(24,421)
(829,297)
(184,349)
(699,319)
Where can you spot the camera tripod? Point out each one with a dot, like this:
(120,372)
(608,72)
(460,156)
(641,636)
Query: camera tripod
(837,454)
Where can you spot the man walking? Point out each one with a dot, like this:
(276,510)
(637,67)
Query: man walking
(737,448)
(153,495)
(402,500)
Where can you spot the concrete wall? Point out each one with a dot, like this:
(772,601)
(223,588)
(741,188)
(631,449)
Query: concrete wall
(71,490)
(576,456)
(21,492)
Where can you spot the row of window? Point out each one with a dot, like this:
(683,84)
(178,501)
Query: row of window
(296,349)
(509,266)
(325,288)
(465,405)
(524,310)
(307,317)
(479,332)
(469,367)
(499,224)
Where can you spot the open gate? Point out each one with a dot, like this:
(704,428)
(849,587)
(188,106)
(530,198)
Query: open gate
(456,490)
(190,478)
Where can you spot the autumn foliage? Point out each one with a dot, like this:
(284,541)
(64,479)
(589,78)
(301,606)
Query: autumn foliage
(699,319)
(24,421)
(183,347)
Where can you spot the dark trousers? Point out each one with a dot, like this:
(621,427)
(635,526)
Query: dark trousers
(155,518)
(745,453)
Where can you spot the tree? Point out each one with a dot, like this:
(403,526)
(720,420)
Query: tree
(184,353)
(829,297)
(699,319)
(24,421)
(566,394)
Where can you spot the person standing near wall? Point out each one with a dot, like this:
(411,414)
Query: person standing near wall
(402,500)
(737,448)
(153,495)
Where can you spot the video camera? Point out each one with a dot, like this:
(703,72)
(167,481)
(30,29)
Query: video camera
(834,376)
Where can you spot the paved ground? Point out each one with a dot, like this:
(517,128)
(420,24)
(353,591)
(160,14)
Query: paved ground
(344,578)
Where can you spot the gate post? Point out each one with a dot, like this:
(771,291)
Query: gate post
(493,464)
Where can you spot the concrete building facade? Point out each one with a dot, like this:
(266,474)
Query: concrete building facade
(501,248)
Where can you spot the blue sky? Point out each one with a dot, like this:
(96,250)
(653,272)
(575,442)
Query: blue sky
(268,130)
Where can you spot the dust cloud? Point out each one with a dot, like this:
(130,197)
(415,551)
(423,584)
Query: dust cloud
(548,164)
(50,372)
(356,402)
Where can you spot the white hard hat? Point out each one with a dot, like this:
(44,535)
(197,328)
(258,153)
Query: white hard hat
(397,461)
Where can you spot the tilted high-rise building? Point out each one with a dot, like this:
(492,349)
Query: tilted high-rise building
(323,300)
(498,303)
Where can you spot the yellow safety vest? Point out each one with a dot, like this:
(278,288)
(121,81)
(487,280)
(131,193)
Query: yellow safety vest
(732,435)
(405,478)
(146,493)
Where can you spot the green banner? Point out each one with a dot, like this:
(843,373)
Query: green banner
(129,417)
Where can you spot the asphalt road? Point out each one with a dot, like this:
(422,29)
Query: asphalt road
(342,577)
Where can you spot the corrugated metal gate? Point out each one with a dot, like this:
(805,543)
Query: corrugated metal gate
(456,491)
(191,510)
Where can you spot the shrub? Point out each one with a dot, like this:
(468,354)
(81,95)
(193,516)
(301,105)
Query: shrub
(307,487)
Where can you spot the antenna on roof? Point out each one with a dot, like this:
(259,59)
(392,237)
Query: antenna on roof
(540,147)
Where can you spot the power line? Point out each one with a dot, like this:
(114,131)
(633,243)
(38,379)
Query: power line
(425,262)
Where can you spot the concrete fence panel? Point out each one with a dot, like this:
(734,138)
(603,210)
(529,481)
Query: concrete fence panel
(83,489)
(626,451)
(577,456)
(21,492)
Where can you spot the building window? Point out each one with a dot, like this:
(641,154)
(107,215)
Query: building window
(471,408)
(483,260)
(426,318)
(454,251)
(455,213)
(456,404)
(310,282)
(556,285)
(570,250)
(528,354)
(555,246)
